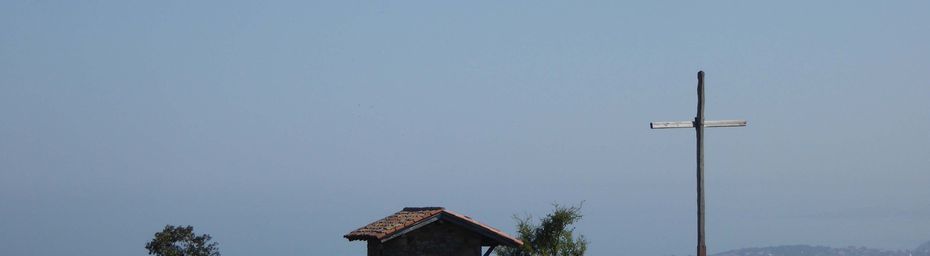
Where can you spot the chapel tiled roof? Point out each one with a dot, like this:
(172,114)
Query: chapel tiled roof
(411,218)
(383,227)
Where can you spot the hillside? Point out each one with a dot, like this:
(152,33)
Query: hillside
(808,250)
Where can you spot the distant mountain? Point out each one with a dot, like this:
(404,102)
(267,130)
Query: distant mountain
(808,250)
(923,248)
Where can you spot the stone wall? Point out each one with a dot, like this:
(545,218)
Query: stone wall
(434,239)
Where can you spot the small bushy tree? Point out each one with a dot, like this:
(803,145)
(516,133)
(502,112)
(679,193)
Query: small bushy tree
(553,236)
(181,241)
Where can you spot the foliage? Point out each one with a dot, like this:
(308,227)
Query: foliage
(553,236)
(181,241)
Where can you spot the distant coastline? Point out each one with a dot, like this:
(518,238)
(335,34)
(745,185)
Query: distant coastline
(811,250)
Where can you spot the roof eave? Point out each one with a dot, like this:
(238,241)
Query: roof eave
(481,229)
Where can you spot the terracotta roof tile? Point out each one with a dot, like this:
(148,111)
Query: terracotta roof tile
(388,225)
(408,217)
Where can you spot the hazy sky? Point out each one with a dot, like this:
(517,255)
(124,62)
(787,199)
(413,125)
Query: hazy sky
(277,127)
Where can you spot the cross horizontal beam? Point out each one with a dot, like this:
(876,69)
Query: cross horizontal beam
(690,124)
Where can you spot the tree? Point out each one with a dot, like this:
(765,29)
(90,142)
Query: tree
(553,236)
(181,241)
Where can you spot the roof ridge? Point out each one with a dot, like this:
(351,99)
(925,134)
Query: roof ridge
(418,209)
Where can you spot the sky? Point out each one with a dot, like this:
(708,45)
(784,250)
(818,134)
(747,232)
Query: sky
(279,126)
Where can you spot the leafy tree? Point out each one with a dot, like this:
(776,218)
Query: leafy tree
(181,241)
(553,236)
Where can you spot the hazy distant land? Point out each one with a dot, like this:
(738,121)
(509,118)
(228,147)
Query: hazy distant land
(809,250)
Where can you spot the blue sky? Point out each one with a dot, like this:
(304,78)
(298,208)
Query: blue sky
(277,127)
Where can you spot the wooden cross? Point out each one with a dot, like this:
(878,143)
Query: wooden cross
(698,124)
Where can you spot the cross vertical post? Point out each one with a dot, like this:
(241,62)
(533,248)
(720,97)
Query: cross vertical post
(698,124)
(699,131)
